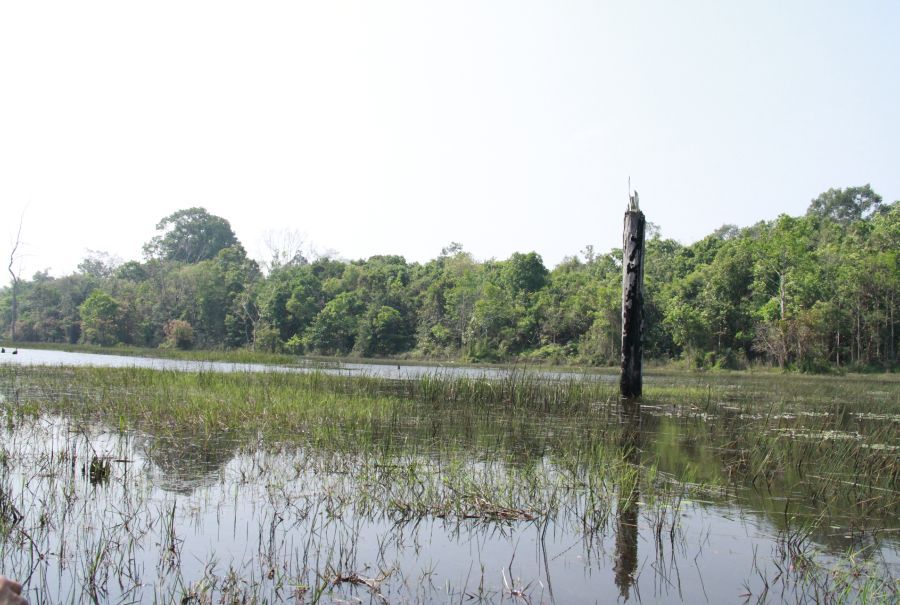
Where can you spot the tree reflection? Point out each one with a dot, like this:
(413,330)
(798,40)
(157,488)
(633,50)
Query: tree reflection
(186,462)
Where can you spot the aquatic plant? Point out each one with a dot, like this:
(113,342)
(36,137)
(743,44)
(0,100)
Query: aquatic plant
(319,486)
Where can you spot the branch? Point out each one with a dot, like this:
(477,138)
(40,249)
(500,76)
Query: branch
(12,254)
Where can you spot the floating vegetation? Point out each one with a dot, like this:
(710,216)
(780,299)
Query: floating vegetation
(819,435)
(879,417)
(881,446)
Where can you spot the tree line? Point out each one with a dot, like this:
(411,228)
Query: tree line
(814,292)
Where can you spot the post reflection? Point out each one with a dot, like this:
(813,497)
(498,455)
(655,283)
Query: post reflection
(627,507)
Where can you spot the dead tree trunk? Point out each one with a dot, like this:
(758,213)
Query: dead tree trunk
(631,380)
(15,282)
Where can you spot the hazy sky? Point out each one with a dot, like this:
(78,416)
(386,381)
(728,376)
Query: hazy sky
(397,127)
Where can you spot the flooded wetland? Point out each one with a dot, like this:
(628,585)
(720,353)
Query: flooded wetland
(137,485)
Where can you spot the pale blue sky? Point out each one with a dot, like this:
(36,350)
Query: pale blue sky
(398,127)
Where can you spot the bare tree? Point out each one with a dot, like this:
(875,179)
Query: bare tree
(15,279)
(286,247)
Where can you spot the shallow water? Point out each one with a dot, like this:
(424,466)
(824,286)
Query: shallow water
(49,357)
(168,531)
(455,503)
(46,357)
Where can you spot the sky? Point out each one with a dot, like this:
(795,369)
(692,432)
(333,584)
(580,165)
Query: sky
(399,127)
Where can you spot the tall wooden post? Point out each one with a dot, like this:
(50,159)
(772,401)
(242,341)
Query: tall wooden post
(631,380)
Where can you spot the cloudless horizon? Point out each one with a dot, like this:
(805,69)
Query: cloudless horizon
(399,127)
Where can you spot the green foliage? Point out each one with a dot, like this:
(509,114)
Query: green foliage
(100,313)
(382,331)
(179,334)
(294,345)
(190,236)
(552,353)
(265,338)
(814,293)
(333,332)
(524,272)
(845,205)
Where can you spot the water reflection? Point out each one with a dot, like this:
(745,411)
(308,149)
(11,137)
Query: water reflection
(626,554)
(184,462)
(442,501)
(304,516)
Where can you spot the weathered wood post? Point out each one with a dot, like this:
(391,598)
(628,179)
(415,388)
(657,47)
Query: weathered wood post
(631,381)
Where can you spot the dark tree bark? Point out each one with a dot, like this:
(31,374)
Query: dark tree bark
(631,380)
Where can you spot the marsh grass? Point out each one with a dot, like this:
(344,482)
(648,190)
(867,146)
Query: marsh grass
(803,574)
(335,457)
(758,435)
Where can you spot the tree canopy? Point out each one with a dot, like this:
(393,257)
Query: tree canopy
(845,205)
(814,292)
(190,236)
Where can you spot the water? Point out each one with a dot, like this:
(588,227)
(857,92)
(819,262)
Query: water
(65,358)
(394,371)
(753,492)
(266,524)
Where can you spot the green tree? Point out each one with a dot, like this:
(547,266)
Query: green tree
(845,205)
(726,295)
(807,292)
(382,331)
(335,327)
(491,333)
(524,273)
(99,317)
(567,304)
(190,236)
(265,338)
(238,274)
(867,283)
(462,281)
(179,334)
(785,267)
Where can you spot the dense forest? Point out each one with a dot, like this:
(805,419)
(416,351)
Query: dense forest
(815,293)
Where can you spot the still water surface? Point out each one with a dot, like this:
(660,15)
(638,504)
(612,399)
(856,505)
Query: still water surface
(124,514)
(172,520)
(400,370)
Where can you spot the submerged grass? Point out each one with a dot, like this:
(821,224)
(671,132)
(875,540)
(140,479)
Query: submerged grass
(467,452)
(836,440)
